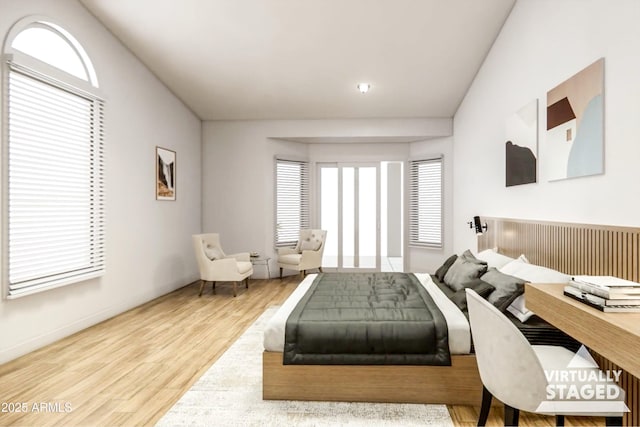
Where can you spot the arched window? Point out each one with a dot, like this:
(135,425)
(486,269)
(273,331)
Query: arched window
(54,165)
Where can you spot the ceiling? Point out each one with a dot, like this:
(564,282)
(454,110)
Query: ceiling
(302,59)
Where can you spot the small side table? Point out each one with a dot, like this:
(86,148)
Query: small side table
(262,260)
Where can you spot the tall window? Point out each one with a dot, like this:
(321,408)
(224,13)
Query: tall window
(292,201)
(54,169)
(425,203)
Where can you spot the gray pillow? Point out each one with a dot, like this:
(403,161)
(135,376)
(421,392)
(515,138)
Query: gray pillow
(463,271)
(468,256)
(508,288)
(481,287)
(442,271)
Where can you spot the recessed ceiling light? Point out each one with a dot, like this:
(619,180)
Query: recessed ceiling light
(364,87)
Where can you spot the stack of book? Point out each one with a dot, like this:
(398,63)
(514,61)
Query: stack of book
(606,293)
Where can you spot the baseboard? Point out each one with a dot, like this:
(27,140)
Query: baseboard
(40,341)
(9,354)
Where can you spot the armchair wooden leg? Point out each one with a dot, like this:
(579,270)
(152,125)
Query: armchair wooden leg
(234,288)
(559,420)
(246,285)
(511,416)
(485,407)
(202,282)
(280,273)
(213,287)
(320,268)
(304,273)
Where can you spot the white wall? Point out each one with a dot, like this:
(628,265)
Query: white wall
(148,242)
(237,184)
(543,43)
(238,168)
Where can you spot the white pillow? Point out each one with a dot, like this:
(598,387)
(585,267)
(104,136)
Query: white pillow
(514,309)
(308,245)
(212,252)
(518,309)
(533,274)
(494,259)
(523,259)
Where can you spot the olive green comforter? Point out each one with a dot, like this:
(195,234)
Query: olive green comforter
(366,319)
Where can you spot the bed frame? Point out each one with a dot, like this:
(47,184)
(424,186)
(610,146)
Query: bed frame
(568,247)
(457,384)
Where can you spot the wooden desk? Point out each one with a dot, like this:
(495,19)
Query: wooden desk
(614,336)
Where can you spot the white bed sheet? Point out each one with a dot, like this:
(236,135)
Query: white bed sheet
(457,323)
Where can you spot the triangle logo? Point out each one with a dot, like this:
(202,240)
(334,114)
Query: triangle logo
(582,359)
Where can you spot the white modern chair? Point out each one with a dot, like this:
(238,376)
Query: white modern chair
(216,266)
(306,255)
(513,370)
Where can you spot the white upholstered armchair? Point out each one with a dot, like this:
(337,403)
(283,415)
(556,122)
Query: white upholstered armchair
(306,255)
(216,266)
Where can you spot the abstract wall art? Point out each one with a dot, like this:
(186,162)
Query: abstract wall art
(521,148)
(574,144)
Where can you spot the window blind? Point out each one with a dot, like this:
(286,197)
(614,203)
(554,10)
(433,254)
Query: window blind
(425,203)
(292,201)
(55,201)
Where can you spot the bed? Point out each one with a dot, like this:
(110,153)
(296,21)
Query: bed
(568,247)
(457,323)
(458,383)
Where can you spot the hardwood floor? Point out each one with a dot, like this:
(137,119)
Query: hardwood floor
(129,370)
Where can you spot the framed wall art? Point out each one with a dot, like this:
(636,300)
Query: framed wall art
(521,148)
(165,174)
(575,125)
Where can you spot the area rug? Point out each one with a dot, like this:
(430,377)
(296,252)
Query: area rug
(230,394)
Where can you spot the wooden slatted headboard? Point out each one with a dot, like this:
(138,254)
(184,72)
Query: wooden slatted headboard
(567,247)
(574,249)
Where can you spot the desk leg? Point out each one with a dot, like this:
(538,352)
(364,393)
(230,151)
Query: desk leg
(631,386)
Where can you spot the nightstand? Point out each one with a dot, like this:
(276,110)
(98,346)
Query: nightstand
(262,260)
